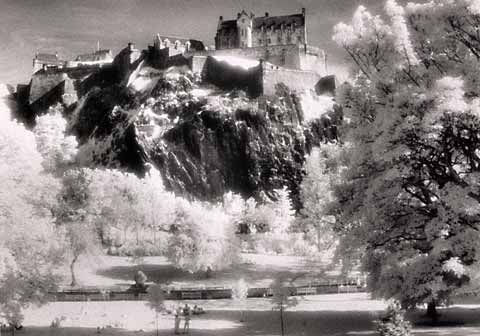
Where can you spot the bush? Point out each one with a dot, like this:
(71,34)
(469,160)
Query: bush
(281,243)
(394,323)
(144,248)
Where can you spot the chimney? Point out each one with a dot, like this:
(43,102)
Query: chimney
(220,18)
(238,15)
(266,14)
(303,11)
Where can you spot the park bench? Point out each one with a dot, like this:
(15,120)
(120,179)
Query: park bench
(191,295)
(219,294)
(122,296)
(306,290)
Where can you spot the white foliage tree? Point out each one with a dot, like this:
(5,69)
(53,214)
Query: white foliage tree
(31,248)
(58,149)
(410,197)
(204,239)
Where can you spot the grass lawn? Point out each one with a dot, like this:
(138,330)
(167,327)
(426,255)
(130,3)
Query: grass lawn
(319,315)
(257,270)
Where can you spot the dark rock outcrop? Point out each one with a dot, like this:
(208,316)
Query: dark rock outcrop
(203,144)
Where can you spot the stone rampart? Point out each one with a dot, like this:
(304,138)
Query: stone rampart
(296,80)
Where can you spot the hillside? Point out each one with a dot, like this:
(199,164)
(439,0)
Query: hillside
(204,140)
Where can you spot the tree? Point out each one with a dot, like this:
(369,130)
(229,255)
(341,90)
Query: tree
(409,198)
(240,293)
(275,214)
(57,149)
(31,250)
(203,237)
(156,301)
(73,216)
(323,168)
(281,299)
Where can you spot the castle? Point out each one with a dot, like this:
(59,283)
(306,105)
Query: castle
(43,61)
(248,31)
(276,48)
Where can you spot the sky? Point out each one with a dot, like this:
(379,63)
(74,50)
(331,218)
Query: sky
(72,27)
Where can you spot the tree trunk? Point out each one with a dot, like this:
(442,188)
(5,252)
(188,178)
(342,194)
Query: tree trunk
(319,235)
(72,271)
(137,234)
(432,311)
(281,320)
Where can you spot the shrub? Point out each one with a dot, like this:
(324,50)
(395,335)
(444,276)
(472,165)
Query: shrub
(143,248)
(393,323)
(281,243)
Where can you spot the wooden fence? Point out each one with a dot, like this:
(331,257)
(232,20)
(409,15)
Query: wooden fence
(209,293)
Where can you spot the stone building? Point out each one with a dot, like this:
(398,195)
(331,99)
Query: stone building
(98,57)
(47,61)
(248,31)
(170,50)
(177,45)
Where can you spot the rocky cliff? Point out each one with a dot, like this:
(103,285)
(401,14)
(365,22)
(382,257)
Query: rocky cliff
(205,141)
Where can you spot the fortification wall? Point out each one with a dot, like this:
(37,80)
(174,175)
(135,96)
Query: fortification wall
(42,83)
(296,80)
(231,77)
(197,64)
(283,55)
(313,62)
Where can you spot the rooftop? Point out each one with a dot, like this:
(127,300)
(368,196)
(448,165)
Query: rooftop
(47,58)
(269,21)
(98,55)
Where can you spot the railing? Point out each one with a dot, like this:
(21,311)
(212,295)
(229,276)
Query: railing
(205,293)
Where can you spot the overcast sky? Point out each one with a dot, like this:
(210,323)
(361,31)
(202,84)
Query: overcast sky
(71,27)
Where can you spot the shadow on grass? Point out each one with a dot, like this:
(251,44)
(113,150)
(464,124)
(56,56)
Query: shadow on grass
(227,323)
(46,331)
(454,321)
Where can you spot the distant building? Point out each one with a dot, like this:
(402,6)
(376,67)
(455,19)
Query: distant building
(171,50)
(47,61)
(248,31)
(177,45)
(99,57)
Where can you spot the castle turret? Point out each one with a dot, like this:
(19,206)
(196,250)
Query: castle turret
(245,26)
(157,42)
(304,14)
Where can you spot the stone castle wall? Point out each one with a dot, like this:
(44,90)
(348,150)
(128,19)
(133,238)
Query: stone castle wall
(296,80)
(256,81)
(231,77)
(198,64)
(282,55)
(278,37)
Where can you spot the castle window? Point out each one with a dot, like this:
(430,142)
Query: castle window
(269,41)
(279,39)
(289,39)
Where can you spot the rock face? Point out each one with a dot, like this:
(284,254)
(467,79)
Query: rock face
(204,141)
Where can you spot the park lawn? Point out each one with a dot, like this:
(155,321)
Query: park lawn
(257,269)
(327,315)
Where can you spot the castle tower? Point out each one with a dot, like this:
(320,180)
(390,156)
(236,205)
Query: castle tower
(304,26)
(245,26)
(157,42)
